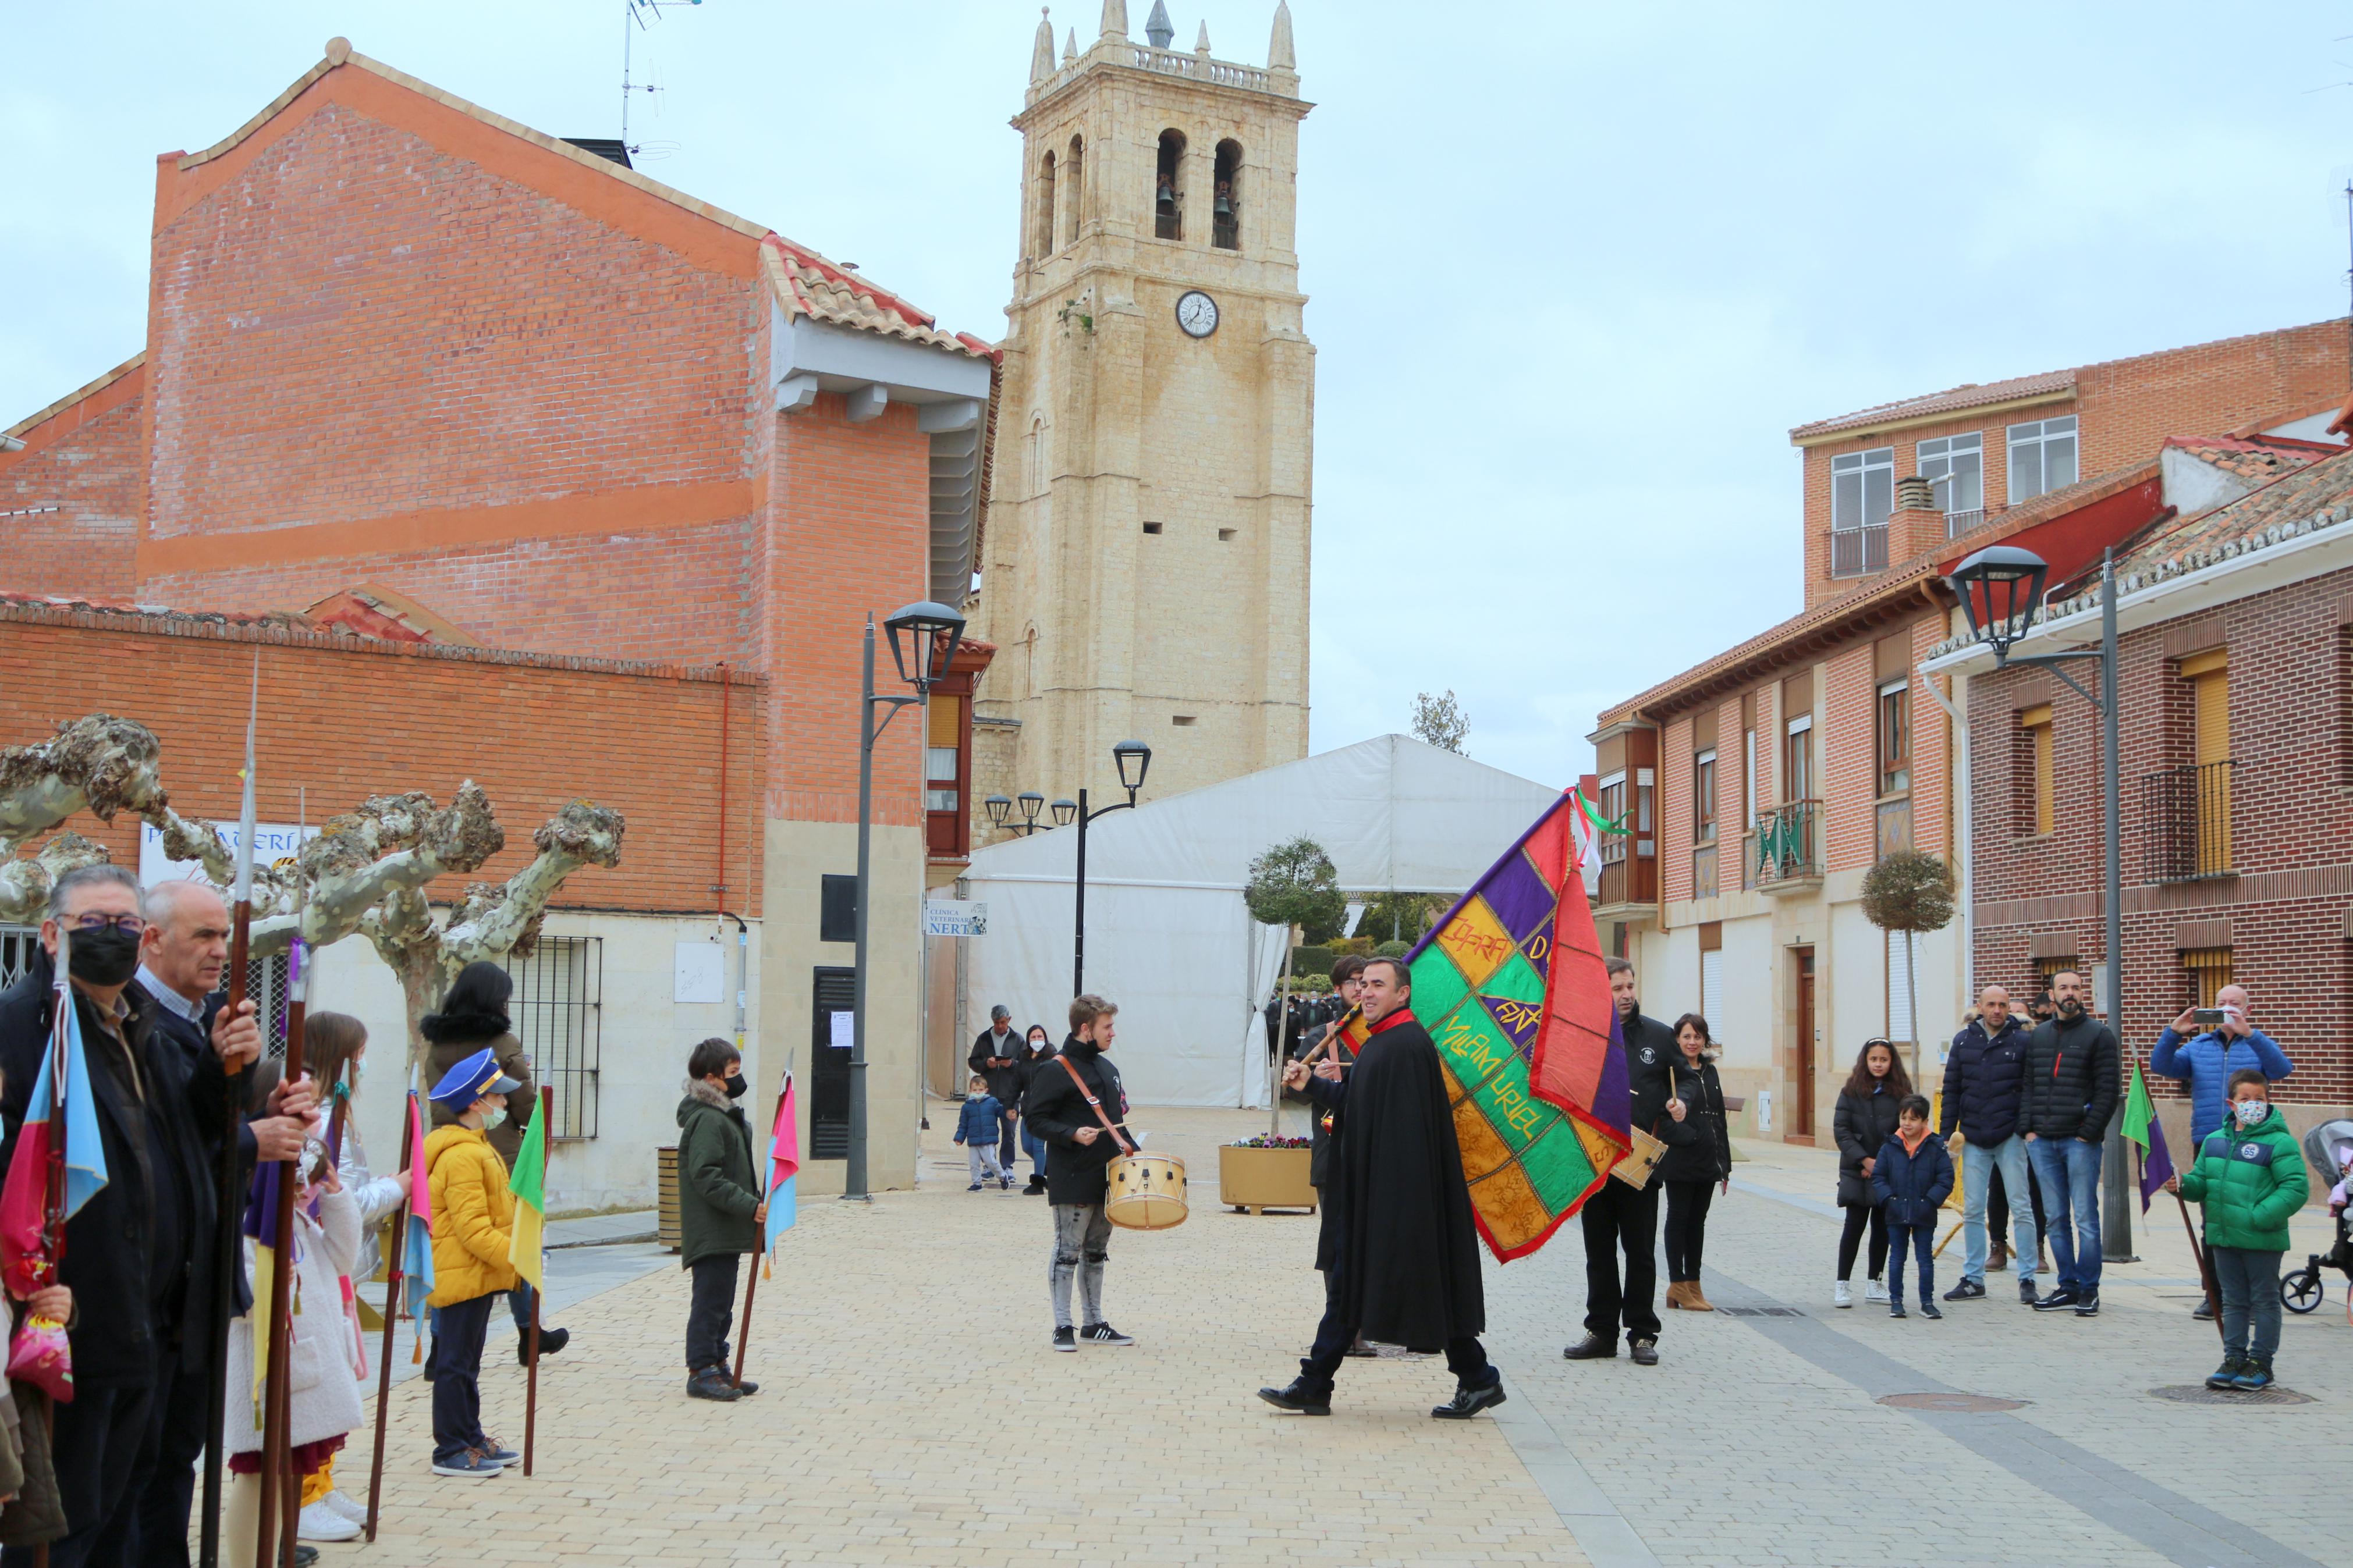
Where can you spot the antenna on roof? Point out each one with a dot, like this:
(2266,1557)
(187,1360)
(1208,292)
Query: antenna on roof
(637,15)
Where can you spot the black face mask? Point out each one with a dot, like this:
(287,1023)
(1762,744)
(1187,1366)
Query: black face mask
(737,1086)
(106,957)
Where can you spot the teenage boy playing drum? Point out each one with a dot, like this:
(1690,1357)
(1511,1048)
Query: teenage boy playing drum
(1058,1108)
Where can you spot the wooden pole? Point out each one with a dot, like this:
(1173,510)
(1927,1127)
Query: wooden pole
(229,1199)
(2205,1271)
(744,1329)
(276,1450)
(393,1281)
(531,1361)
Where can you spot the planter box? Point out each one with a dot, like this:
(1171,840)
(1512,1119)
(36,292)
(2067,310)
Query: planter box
(1263,1179)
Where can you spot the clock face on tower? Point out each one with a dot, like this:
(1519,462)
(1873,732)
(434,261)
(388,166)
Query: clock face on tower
(1197,313)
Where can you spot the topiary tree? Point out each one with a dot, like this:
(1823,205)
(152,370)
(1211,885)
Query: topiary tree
(1910,890)
(1292,885)
(1393,949)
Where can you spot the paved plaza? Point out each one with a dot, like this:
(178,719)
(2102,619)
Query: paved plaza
(911,1412)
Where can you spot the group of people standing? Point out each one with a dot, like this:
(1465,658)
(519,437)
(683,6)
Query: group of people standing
(1004,1065)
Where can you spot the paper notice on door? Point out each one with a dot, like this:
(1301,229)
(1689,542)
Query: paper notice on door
(844,1031)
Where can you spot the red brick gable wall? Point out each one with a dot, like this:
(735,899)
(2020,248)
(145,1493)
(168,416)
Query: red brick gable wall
(83,461)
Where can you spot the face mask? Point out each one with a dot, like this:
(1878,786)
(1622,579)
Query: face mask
(493,1119)
(2251,1112)
(736,1088)
(108,957)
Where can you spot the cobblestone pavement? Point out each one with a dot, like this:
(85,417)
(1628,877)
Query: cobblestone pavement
(912,1413)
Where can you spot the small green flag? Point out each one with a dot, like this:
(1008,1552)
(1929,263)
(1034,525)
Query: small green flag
(2142,1126)
(527,1250)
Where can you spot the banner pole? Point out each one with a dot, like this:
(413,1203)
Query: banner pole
(530,1377)
(393,1279)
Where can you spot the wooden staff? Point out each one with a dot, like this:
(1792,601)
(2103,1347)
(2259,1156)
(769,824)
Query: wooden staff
(531,1361)
(393,1277)
(53,1194)
(2206,1279)
(752,1286)
(280,1493)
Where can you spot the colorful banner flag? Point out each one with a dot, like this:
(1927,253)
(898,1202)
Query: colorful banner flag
(417,1245)
(57,1128)
(1510,985)
(2142,1126)
(784,1170)
(261,1228)
(527,1249)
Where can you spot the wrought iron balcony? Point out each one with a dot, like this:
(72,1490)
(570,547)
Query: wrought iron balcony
(2186,822)
(1788,846)
(1859,551)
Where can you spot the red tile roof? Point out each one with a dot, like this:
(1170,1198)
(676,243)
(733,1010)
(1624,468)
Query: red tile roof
(1970,394)
(2262,459)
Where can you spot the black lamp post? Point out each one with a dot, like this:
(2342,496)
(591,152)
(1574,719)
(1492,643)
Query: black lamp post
(1000,812)
(2000,590)
(924,640)
(1133,760)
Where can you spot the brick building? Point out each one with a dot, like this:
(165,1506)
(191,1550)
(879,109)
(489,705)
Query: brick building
(402,350)
(1761,785)
(2235,681)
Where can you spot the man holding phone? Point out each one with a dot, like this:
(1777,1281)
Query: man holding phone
(2203,1048)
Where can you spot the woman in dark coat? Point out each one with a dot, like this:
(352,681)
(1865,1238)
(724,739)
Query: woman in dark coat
(1037,1049)
(1698,1158)
(1865,1119)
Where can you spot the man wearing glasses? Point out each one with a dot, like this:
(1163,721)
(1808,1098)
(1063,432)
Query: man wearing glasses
(135,1253)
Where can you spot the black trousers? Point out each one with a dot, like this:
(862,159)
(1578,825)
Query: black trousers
(1686,1228)
(104,1439)
(1465,1356)
(1620,1217)
(1007,1141)
(1852,1238)
(167,1495)
(1997,1203)
(712,1312)
(456,1370)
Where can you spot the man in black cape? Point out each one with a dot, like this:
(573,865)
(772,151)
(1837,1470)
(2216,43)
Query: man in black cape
(1405,1268)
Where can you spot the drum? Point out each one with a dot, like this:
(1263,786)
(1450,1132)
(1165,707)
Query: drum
(1636,1167)
(1148,1191)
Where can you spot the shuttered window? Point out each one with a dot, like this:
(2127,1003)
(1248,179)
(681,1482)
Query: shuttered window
(2034,726)
(2209,675)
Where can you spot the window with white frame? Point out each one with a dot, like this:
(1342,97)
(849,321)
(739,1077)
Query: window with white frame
(1862,489)
(2041,457)
(1955,465)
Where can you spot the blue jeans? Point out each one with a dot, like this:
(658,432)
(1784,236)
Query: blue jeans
(1035,1147)
(2249,1281)
(1977,1166)
(457,1369)
(2069,1169)
(1922,1241)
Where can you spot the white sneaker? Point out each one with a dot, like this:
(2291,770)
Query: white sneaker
(1842,1295)
(355,1511)
(320,1523)
(1876,1290)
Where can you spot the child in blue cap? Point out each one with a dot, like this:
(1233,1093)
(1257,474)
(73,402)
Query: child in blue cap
(474,1222)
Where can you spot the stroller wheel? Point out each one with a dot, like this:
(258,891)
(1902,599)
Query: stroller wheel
(2302,1291)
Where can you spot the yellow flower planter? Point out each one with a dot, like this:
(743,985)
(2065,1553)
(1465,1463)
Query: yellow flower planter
(1263,1179)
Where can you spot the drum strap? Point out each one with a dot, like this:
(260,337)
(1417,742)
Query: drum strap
(1119,1143)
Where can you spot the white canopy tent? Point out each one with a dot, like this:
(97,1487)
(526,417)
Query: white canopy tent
(1169,937)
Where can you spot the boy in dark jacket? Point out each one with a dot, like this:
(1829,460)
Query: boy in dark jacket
(1912,1178)
(720,1211)
(976,1127)
(2073,1068)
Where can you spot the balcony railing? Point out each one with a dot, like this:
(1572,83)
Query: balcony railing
(1957,523)
(1857,552)
(2186,822)
(1790,843)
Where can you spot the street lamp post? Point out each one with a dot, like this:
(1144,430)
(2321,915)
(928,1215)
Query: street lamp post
(2000,590)
(1134,759)
(917,633)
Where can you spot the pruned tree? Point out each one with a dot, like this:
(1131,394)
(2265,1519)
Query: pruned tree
(1439,721)
(1294,885)
(366,874)
(1909,890)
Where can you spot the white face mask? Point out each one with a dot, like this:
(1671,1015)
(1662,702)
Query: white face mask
(2251,1112)
(494,1119)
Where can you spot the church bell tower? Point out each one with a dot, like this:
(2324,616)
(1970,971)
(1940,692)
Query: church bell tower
(1144,566)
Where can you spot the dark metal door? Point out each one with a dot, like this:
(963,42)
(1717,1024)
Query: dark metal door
(835,992)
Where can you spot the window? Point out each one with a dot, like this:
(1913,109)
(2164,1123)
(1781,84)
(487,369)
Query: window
(1045,230)
(1798,760)
(557,1009)
(2209,970)
(18,945)
(1954,466)
(1151,528)
(1226,207)
(2035,813)
(1902,954)
(1703,796)
(944,722)
(1036,455)
(1894,738)
(1225,536)
(2209,675)
(1167,197)
(1613,809)
(2041,457)
(1184,721)
(1711,976)
(1862,489)
(1074,177)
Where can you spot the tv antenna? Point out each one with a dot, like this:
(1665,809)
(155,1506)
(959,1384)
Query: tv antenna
(636,16)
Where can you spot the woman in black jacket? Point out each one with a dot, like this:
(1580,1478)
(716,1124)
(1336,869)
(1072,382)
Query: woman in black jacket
(1865,1119)
(1698,1158)
(1037,1048)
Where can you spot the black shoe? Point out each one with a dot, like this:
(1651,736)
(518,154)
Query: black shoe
(549,1342)
(747,1387)
(305,1555)
(1645,1352)
(1066,1338)
(2026,1291)
(711,1384)
(1895,1310)
(2254,1374)
(2203,1312)
(1297,1398)
(1929,1309)
(2226,1375)
(1469,1402)
(1037,1185)
(1967,1290)
(2058,1300)
(1592,1347)
(1103,1334)
(2087,1303)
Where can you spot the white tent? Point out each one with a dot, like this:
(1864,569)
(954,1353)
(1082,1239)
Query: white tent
(1169,937)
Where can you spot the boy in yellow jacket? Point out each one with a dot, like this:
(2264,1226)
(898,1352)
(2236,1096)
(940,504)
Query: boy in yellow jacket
(473,1213)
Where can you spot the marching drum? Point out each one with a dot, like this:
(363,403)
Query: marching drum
(1148,1191)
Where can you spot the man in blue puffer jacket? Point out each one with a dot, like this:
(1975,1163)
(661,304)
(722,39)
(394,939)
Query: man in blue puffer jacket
(2205,1062)
(1985,1075)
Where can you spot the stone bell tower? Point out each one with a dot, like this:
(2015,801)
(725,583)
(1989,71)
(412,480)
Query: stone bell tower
(1145,565)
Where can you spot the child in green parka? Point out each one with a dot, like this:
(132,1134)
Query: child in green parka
(2249,1177)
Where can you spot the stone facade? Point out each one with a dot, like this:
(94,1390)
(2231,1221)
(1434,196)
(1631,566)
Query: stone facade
(1144,567)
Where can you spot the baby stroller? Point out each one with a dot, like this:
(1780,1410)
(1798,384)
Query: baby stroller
(2328,1149)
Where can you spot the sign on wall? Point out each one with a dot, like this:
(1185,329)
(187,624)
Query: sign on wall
(956,917)
(701,972)
(272,842)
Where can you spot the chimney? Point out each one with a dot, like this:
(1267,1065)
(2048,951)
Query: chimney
(1918,524)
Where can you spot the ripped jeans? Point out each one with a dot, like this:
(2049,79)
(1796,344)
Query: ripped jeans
(1082,1242)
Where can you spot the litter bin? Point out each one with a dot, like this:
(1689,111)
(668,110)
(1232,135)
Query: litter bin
(666,1199)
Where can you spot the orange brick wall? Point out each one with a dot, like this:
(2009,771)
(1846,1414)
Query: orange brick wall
(1845,757)
(1932,770)
(1675,823)
(340,723)
(83,460)
(2125,409)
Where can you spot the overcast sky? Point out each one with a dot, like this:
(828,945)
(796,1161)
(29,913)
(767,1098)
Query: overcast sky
(1575,269)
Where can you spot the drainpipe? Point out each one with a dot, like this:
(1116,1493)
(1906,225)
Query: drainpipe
(1964,849)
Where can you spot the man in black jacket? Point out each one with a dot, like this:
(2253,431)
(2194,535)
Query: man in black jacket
(997,1056)
(1985,1078)
(131,1251)
(1619,1215)
(2073,1067)
(1071,1101)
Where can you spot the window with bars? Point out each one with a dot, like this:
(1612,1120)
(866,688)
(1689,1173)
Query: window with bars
(18,945)
(557,1009)
(2209,969)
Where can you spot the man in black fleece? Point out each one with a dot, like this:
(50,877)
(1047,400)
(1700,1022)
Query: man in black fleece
(1617,1215)
(2072,1074)
(1076,1104)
